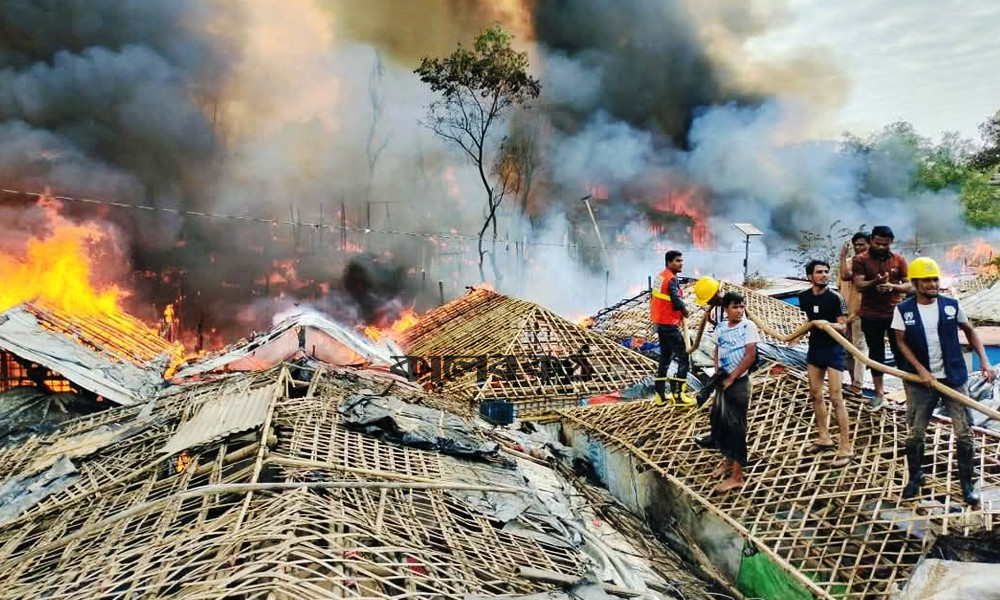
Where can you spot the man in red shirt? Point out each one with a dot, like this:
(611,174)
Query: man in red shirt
(880,278)
(667,311)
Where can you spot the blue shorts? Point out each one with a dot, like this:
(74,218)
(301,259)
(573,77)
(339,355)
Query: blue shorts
(827,357)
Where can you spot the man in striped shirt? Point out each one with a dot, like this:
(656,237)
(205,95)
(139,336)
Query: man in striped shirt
(735,352)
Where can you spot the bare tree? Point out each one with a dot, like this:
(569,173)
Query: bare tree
(376,142)
(478,87)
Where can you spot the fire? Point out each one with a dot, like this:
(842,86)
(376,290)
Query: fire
(689,203)
(979,258)
(584,321)
(406,319)
(975,254)
(56,270)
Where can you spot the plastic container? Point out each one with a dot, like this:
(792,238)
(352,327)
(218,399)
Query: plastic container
(498,412)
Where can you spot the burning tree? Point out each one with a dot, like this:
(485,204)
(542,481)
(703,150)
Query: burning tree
(478,87)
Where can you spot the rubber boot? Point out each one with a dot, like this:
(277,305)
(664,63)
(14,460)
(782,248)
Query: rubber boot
(678,389)
(659,387)
(915,466)
(965,451)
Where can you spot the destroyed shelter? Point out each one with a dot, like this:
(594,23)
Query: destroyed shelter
(799,527)
(54,365)
(485,346)
(302,335)
(303,481)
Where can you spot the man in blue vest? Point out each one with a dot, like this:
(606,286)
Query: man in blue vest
(926,329)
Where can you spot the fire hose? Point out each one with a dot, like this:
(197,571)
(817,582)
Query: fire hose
(858,355)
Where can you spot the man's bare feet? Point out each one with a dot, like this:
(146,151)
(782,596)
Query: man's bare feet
(721,470)
(729,484)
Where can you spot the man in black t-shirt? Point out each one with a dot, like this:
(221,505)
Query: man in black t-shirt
(826,359)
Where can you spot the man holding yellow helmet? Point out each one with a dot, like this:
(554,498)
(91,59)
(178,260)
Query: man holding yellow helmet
(708,293)
(926,330)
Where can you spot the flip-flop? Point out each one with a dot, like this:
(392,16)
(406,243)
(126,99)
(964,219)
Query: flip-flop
(814,448)
(842,461)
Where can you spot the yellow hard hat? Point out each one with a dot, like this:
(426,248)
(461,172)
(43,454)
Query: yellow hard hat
(705,289)
(922,268)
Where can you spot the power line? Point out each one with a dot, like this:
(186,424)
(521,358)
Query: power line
(367,230)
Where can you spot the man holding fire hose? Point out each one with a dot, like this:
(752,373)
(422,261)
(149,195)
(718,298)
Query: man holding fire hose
(926,332)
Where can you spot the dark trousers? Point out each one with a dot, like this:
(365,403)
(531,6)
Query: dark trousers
(920,404)
(671,348)
(729,420)
(874,330)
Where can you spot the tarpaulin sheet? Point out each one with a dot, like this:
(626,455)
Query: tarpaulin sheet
(390,418)
(21,493)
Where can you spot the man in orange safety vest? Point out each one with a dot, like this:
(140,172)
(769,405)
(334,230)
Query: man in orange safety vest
(667,311)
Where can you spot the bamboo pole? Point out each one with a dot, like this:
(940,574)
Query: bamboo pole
(249,488)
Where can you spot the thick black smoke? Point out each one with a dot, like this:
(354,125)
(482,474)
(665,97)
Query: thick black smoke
(126,100)
(651,67)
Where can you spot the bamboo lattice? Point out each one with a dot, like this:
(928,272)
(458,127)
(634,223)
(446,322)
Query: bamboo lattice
(843,528)
(484,323)
(132,526)
(630,317)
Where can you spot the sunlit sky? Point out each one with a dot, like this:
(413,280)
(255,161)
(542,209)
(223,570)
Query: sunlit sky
(933,63)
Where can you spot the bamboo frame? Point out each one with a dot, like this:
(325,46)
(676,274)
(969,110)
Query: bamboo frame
(839,531)
(484,323)
(319,512)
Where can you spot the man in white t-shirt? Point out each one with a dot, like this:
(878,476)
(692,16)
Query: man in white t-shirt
(926,329)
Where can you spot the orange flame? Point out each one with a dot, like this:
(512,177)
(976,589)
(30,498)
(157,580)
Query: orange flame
(584,321)
(977,258)
(975,254)
(57,271)
(689,203)
(406,319)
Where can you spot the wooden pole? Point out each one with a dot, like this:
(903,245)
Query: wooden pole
(343,227)
(441,290)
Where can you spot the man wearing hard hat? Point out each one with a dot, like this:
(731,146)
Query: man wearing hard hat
(926,330)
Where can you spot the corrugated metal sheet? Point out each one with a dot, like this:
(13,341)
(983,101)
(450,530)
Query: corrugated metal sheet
(984,306)
(272,348)
(223,416)
(94,368)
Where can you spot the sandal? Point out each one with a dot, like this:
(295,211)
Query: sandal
(816,448)
(842,461)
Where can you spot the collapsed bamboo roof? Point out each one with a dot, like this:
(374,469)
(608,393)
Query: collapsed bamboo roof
(114,356)
(352,516)
(982,305)
(845,529)
(486,324)
(630,317)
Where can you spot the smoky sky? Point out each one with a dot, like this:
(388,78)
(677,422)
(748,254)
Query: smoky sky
(653,69)
(265,109)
